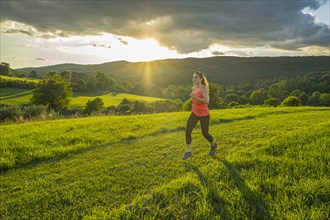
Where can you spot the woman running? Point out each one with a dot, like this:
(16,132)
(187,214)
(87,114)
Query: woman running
(200,112)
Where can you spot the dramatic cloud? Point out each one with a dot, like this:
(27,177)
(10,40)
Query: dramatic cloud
(217,53)
(186,26)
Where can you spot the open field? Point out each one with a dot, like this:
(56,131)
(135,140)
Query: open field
(80,99)
(271,163)
(16,96)
(12,78)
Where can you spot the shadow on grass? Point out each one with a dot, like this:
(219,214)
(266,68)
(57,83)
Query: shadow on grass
(218,204)
(265,114)
(67,154)
(257,206)
(47,160)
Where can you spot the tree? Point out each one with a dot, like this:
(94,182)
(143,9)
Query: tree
(139,107)
(314,100)
(244,99)
(124,107)
(75,76)
(5,69)
(325,99)
(176,105)
(291,101)
(33,74)
(303,97)
(126,86)
(93,106)
(295,92)
(81,85)
(233,104)
(52,91)
(231,98)
(176,92)
(215,93)
(272,102)
(66,75)
(104,82)
(52,74)
(258,97)
(277,90)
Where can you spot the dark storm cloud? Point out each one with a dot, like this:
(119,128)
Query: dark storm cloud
(183,25)
(17,31)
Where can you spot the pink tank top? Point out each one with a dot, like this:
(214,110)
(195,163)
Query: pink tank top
(199,108)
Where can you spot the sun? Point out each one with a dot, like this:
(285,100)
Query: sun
(144,50)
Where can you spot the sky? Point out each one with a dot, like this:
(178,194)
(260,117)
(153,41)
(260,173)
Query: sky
(47,32)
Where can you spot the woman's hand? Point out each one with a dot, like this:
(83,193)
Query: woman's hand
(192,95)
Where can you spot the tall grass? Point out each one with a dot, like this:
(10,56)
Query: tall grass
(271,163)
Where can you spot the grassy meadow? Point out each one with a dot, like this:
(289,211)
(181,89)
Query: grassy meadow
(17,96)
(13,78)
(80,99)
(271,163)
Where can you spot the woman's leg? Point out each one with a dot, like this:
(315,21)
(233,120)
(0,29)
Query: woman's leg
(205,123)
(191,123)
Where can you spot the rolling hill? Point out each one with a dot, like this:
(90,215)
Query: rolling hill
(19,96)
(221,69)
(270,164)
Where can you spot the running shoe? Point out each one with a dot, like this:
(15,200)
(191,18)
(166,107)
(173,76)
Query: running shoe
(213,147)
(186,155)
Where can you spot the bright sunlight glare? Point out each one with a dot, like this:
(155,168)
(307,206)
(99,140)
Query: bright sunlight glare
(110,47)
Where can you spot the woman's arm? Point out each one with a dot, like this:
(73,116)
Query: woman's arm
(205,93)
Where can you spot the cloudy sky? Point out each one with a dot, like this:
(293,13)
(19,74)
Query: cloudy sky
(48,32)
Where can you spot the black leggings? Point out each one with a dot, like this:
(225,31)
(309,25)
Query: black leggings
(192,121)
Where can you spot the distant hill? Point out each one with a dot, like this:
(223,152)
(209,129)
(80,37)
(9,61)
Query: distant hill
(221,69)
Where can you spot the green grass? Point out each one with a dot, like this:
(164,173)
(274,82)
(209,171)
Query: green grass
(16,96)
(12,78)
(80,99)
(271,163)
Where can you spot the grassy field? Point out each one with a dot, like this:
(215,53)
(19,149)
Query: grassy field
(15,96)
(12,78)
(80,99)
(271,163)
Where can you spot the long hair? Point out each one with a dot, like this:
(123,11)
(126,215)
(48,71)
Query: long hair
(203,77)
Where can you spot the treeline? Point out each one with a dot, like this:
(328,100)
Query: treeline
(51,99)
(312,89)
(95,106)
(54,90)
